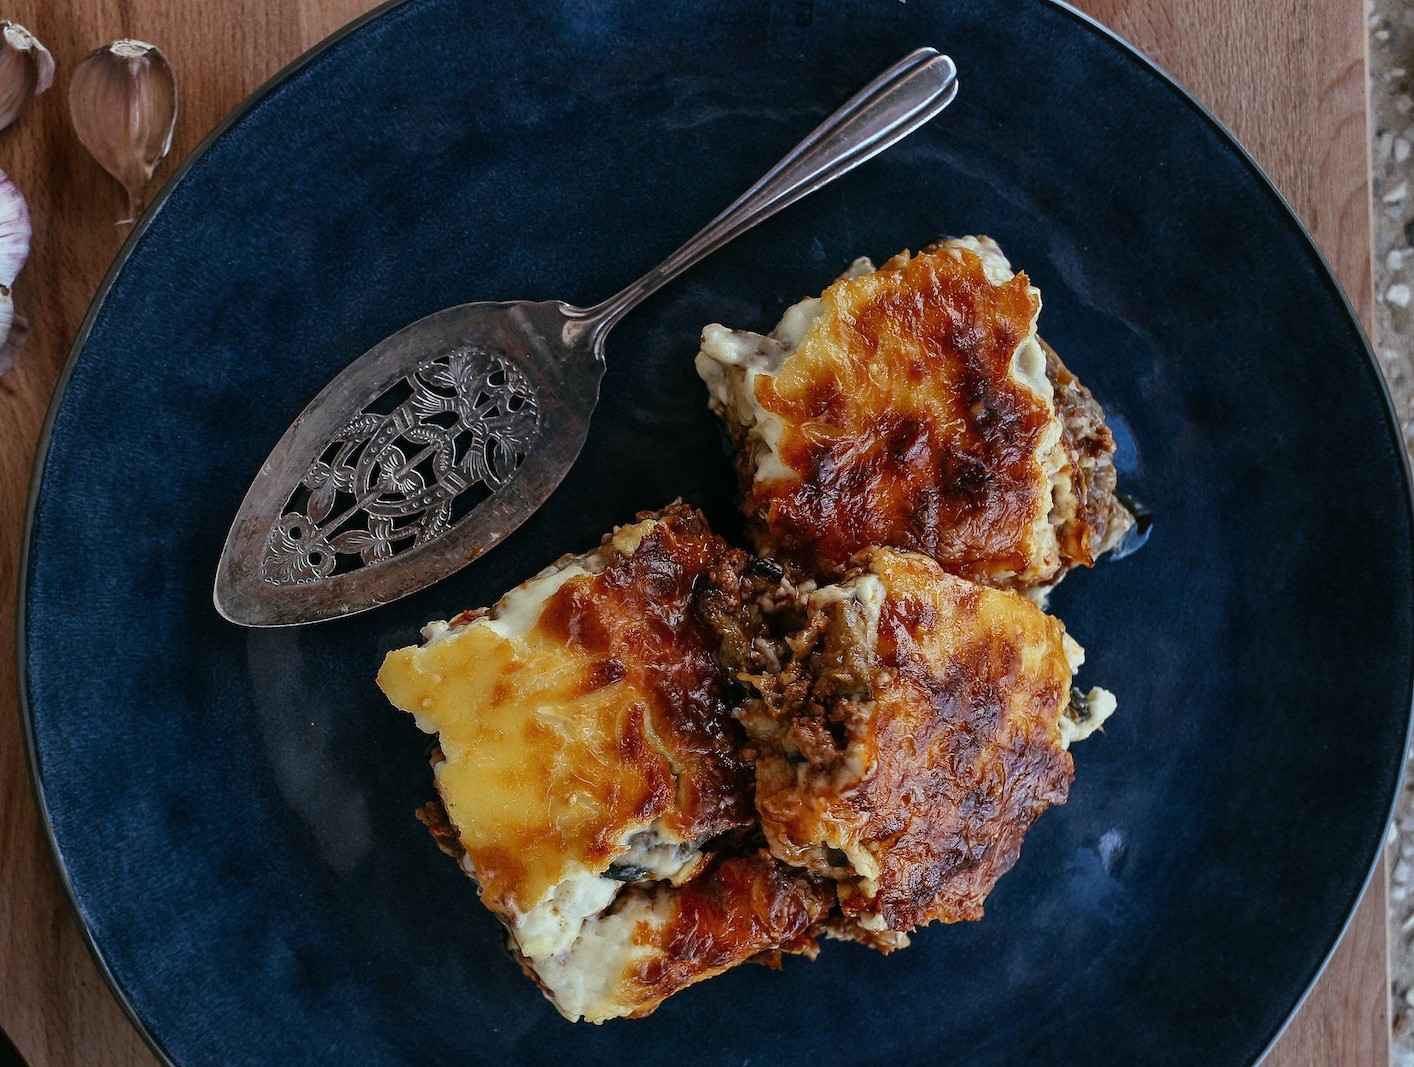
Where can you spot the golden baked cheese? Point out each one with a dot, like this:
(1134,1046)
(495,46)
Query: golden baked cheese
(917,733)
(588,767)
(582,728)
(914,406)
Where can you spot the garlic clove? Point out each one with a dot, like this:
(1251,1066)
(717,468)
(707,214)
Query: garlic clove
(26,70)
(7,312)
(14,342)
(14,250)
(123,102)
(15,233)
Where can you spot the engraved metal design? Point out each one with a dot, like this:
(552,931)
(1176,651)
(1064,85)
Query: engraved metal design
(406,468)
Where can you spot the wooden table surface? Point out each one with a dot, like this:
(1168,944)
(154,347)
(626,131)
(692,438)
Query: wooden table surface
(1289,77)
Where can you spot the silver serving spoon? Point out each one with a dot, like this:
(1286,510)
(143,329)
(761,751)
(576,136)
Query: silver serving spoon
(439,441)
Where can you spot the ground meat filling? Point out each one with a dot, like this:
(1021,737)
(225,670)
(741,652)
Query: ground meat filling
(856,739)
(1100,520)
(817,698)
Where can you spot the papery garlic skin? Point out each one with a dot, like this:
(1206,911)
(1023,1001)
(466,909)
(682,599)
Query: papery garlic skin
(7,314)
(15,233)
(123,103)
(14,343)
(26,70)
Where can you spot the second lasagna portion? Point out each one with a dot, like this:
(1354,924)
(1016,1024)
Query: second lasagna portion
(590,778)
(914,406)
(907,730)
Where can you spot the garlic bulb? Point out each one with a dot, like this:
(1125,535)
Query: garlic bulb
(123,102)
(26,70)
(14,250)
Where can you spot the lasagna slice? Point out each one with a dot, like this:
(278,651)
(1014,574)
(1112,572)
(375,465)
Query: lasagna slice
(916,728)
(590,778)
(914,406)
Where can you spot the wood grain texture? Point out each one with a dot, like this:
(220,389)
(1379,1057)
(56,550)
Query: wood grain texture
(1290,79)
(1287,76)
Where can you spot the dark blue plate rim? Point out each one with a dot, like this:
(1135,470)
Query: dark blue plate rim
(276,80)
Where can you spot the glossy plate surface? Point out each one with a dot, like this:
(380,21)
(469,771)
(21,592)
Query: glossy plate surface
(233,809)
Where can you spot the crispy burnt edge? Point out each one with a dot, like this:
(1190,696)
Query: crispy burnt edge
(694,721)
(798,908)
(745,896)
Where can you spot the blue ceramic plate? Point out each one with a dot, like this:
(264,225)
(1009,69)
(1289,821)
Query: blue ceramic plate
(233,809)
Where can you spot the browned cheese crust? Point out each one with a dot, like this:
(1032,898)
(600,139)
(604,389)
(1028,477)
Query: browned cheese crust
(606,716)
(638,615)
(914,411)
(742,908)
(904,424)
(913,772)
